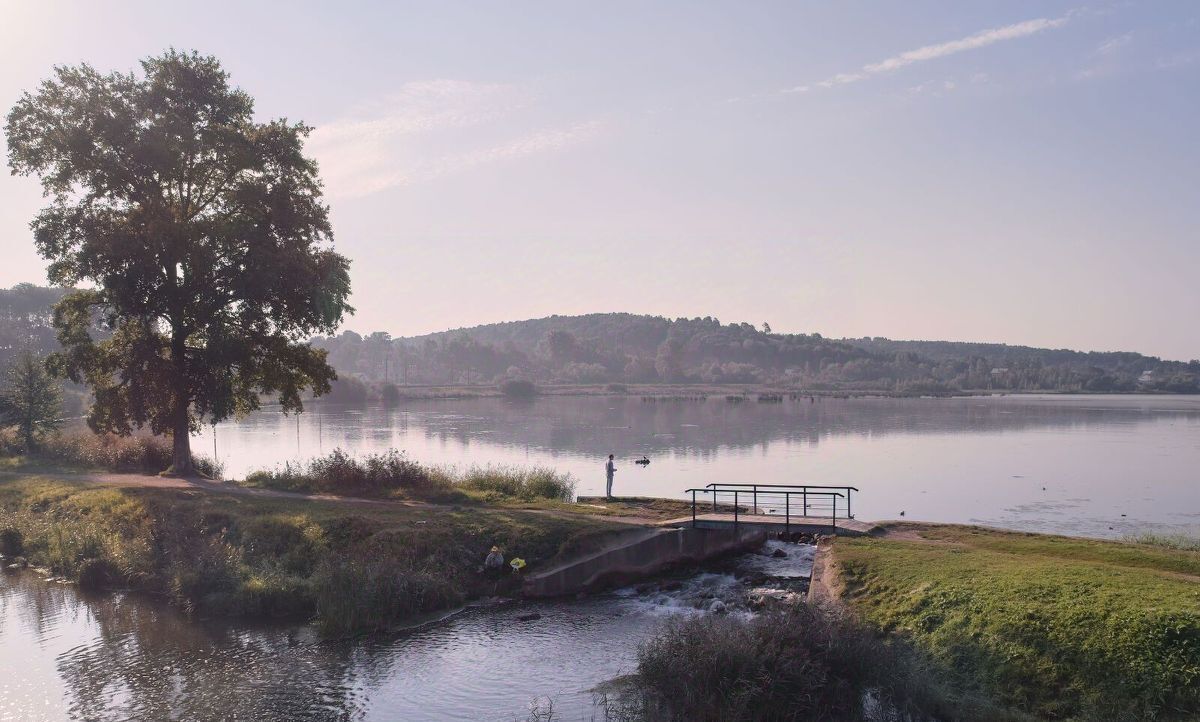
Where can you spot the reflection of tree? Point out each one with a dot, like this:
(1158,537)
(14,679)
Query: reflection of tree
(593,426)
(143,660)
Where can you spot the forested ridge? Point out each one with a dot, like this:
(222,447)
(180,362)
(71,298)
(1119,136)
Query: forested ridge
(629,348)
(603,348)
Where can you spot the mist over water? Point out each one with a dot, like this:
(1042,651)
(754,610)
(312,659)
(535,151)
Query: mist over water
(1087,465)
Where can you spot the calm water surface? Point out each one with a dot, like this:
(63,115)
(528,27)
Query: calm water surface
(1086,465)
(69,655)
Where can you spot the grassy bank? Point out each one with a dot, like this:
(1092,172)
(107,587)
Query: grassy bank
(352,567)
(1056,627)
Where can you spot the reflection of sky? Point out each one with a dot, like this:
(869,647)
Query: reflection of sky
(116,657)
(983,460)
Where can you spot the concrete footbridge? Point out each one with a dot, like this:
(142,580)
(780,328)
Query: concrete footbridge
(787,508)
(724,518)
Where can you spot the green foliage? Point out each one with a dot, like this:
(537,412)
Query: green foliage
(359,567)
(138,454)
(393,474)
(1186,542)
(203,232)
(804,662)
(374,475)
(1059,628)
(31,400)
(518,389)
(527,483)
(363,593)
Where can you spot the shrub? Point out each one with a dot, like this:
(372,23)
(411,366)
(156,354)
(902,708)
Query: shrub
(1183,542)
(379,475)
(340,473)
(617,389)
(372,592)
(518,389)
(128,454)
(390,394)
(11,542)
(805,662)
(97,574)
(537,482)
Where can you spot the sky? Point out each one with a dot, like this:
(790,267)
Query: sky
(1008,171)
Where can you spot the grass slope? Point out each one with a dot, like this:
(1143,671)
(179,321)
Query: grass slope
(1057,627)
(353,567)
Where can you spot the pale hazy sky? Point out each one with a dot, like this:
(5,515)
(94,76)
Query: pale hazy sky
(1024,172)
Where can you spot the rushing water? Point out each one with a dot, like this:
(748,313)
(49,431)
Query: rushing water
(69,655)
(1087,465)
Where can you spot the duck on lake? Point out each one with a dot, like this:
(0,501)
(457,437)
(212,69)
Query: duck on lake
(644,461)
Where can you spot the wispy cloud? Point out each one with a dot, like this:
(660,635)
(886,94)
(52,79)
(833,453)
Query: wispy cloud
(1112,45)
(432,129)
(980,39)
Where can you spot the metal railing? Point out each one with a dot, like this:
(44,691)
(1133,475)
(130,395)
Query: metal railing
(771,499)
(804,489)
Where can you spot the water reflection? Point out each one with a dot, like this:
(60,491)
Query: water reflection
(120,656)
(1072,464)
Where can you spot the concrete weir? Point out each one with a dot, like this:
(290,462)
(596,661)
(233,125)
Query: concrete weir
(640,554)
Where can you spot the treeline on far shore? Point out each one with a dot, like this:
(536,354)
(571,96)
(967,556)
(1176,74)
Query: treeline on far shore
(605,352)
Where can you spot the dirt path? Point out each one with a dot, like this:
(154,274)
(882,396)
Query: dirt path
(153,481)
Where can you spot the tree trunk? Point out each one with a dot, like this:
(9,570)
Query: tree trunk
(181,443)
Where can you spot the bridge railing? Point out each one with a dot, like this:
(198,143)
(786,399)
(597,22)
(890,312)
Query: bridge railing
(777,500)
(802,488)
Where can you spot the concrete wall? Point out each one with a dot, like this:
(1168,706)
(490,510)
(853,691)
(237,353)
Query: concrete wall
(629,561)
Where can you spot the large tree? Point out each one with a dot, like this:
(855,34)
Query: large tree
(201,233)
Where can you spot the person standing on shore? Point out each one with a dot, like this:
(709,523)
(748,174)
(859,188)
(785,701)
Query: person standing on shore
(610,470)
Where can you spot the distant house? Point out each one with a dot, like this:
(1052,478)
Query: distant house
(1000,371)
(1147,377)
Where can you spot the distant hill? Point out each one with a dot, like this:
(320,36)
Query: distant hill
(602,348)
(629,348)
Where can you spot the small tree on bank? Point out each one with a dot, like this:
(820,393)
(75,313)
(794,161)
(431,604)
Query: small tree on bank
(31,400)
(203,233)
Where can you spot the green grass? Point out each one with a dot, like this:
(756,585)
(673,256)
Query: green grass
(353,567)
(392,475)
(1057,627)
(1186,542)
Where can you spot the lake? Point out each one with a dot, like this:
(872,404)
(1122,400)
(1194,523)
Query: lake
(1101,466)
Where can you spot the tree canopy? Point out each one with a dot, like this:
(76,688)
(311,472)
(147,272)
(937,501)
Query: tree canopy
(201,233)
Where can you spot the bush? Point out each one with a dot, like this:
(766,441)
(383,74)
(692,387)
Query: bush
(11,543)
(340,473)
(537,482)
(127,454)
(390,394)
(518,389)
(373,592)
(805,662)
(617,389)
(380,475)
(97,574)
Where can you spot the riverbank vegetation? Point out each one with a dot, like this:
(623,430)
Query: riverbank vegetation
(804,661)
(391,475)
(1056,627)
(82,450)
(351,567)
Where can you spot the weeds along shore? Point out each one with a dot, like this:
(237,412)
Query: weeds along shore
(349,567)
